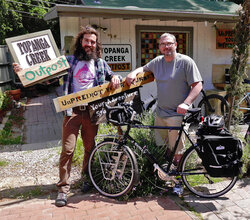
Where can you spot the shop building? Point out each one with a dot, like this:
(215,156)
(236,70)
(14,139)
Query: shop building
(130,30)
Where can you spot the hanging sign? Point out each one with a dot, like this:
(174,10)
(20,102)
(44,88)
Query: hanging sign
(118,57)
(98,92)
(224,39)
(38,56)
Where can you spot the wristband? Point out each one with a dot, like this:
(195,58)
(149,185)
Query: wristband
(186,104)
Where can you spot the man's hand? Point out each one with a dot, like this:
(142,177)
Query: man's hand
(182,108)
(131,78)
(115,82)
(16,67)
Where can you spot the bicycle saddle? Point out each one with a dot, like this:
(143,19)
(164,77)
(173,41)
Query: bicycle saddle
(192,115)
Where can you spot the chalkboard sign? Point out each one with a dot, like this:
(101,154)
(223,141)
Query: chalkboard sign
(98,112)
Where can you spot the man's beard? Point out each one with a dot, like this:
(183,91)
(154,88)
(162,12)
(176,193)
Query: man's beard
(169,53)
(87,56)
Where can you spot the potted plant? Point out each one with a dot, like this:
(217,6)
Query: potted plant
(15,93)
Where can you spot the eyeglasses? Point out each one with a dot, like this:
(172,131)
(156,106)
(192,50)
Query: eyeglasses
(169,44)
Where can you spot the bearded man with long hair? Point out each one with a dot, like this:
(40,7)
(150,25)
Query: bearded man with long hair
(87,70)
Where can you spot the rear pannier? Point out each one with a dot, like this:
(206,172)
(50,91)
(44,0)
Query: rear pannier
(220,155)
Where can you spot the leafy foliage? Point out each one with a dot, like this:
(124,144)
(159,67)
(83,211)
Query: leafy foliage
(246,159)
(143,137)
(26,16)
(239,65)
(5,101)
(148,178)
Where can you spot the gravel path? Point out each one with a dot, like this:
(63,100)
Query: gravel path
(31,168)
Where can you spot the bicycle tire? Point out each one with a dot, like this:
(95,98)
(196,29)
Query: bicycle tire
(214,99)
(113,178)
(198,181)
(152,105)
(245,103)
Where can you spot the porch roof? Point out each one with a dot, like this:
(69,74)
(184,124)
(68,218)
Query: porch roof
(181,10)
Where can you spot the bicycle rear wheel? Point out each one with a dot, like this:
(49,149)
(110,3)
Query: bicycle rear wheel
(198,181)
(112,169)
(215,104)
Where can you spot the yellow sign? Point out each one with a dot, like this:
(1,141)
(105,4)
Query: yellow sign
(119,67)
(89,95)
(43,71)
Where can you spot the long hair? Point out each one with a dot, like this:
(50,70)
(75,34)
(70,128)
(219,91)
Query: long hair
(79,52)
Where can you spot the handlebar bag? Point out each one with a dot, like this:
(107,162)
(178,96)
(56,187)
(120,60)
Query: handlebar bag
(220,155)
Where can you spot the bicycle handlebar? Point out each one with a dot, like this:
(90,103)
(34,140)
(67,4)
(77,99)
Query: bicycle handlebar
(124,114)
(119,115)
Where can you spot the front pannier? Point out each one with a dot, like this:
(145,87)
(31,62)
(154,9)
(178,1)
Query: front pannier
(220,155)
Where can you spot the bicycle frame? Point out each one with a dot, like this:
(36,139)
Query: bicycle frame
(245,97)
(145,151)
(112,181)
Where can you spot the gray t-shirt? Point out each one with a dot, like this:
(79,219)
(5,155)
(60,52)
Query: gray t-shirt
(173,80)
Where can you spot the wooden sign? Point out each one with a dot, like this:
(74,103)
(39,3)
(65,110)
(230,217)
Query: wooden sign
(44,71)
(89,95)
(224,39)
(97,110)
(37,49)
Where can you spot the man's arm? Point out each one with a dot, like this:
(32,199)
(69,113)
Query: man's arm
(194,92)
(131,77)
(114,79)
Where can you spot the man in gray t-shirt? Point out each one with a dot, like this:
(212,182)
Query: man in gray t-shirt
(178,83)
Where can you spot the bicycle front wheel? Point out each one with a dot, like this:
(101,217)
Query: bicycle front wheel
(112,169)
(215,104)
(198,181)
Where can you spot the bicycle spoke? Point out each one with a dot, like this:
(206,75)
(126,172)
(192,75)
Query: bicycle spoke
(200,183)
(111,171)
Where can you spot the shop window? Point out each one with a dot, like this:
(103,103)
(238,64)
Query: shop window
(150,43)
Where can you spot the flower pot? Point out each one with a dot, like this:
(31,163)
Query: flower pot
(16,93)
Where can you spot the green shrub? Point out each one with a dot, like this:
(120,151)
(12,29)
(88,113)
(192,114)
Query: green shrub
(78,154)
(147,175)
(5,101)
(104,129)
(6,137)
(246,159)
(148,178)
